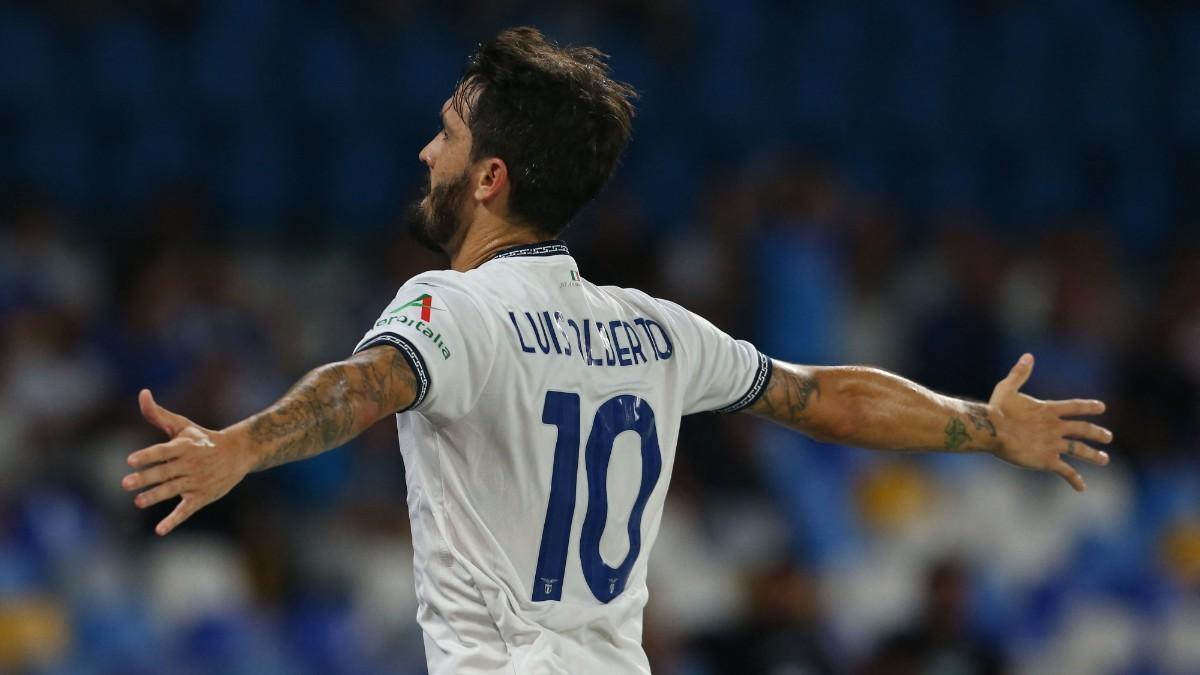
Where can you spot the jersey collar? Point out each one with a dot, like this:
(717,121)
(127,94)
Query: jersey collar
(539,249)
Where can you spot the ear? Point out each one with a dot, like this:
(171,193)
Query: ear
(493,178)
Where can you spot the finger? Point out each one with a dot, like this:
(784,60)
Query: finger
(158,473)
(1016,377)
(183,510)
(161,452)
(164,419)
(1087,431)
(160,493)
(1086,452)
(1076,407)
(1070,475)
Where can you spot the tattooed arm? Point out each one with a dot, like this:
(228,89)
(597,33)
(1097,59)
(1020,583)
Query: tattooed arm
(870,408)
(330,406)
(327,407)
(874,409)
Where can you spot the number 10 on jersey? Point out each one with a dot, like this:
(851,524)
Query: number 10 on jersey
(615,416)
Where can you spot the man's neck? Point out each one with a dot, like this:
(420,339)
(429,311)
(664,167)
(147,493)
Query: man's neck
(480,244)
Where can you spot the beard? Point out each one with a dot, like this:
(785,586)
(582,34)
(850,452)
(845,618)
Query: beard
(435,226)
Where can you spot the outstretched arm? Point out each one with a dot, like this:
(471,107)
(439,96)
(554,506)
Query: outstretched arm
(874,409)
(327,407)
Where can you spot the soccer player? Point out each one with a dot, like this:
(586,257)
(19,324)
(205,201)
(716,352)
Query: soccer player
(537,412)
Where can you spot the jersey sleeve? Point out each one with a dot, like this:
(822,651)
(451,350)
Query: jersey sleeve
(721,374)
(438,328)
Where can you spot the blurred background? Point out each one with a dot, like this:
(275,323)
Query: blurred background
(203,199)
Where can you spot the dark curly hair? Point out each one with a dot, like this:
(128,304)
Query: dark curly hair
(553,115)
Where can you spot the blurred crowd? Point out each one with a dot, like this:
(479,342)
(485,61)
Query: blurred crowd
(203,199)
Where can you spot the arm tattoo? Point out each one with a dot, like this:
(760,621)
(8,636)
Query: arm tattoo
(956,434)
(979,418)
(872,408)
(331,405)
(787,396)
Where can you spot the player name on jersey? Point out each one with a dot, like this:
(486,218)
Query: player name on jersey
(617,342)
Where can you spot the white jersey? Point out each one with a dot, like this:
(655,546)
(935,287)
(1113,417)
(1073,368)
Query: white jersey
(538,454)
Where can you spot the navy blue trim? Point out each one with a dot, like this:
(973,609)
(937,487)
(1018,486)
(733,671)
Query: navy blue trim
(409,351)
(761,377)
(541,248)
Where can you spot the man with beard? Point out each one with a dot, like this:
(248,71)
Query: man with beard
(537,412)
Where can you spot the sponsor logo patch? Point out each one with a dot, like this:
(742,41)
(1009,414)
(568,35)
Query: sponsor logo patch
(425,302)
(421,325)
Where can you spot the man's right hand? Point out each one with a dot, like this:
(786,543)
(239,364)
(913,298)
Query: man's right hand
(1035,434)
(330,405)
(197,464)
